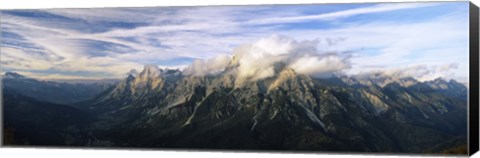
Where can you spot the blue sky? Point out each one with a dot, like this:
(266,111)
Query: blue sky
(411,38)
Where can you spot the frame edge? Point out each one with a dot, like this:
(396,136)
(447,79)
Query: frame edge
(473,112)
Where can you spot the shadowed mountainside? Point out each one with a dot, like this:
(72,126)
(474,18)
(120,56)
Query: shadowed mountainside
(51,91)
(289,111)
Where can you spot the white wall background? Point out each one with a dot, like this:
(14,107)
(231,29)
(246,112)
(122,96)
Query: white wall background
(84,153)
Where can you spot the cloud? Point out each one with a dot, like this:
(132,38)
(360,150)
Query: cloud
(69,39)
(207,67)
(20,59)
(132,72)
(261,59)
(135,15)
(302,56)
(341,14)
(436,41)
(419,72)
(58,76)
(320,66)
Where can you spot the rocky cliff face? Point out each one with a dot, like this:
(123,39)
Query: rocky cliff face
(286,111)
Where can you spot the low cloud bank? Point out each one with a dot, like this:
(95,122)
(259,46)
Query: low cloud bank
(209,66)
(419,72)
(260,59)
(265,57)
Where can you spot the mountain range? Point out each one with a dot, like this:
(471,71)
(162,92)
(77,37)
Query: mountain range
(52,91)
(159,108)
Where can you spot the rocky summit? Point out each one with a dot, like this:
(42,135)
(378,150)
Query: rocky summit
(287,111)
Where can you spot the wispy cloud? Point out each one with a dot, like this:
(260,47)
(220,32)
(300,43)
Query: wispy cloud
(116,40)
(341,14)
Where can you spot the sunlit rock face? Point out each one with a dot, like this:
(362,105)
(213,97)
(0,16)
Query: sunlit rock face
(263,97)
(336,111)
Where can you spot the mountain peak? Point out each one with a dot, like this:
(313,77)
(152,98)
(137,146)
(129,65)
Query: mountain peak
(440,80)
(138,84)
(287,72)
(283,76)
(150,70)
(383,80)
(13,75)
(234,63)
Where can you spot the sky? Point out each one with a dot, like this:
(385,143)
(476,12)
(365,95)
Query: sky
(423,40)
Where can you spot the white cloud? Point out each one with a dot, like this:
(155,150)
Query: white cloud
(340,14)
(438,41)
(111,14)
(59,50)
(320,66)
(432,42)
(19,59)
(420,72)
(259,60)
(209,66)
(59,76)
(133,72)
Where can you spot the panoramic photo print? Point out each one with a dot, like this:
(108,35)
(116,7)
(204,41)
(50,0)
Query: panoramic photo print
(366,77)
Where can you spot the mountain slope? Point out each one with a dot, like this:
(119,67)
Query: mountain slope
(50,91)
(287,111)
(34,122)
